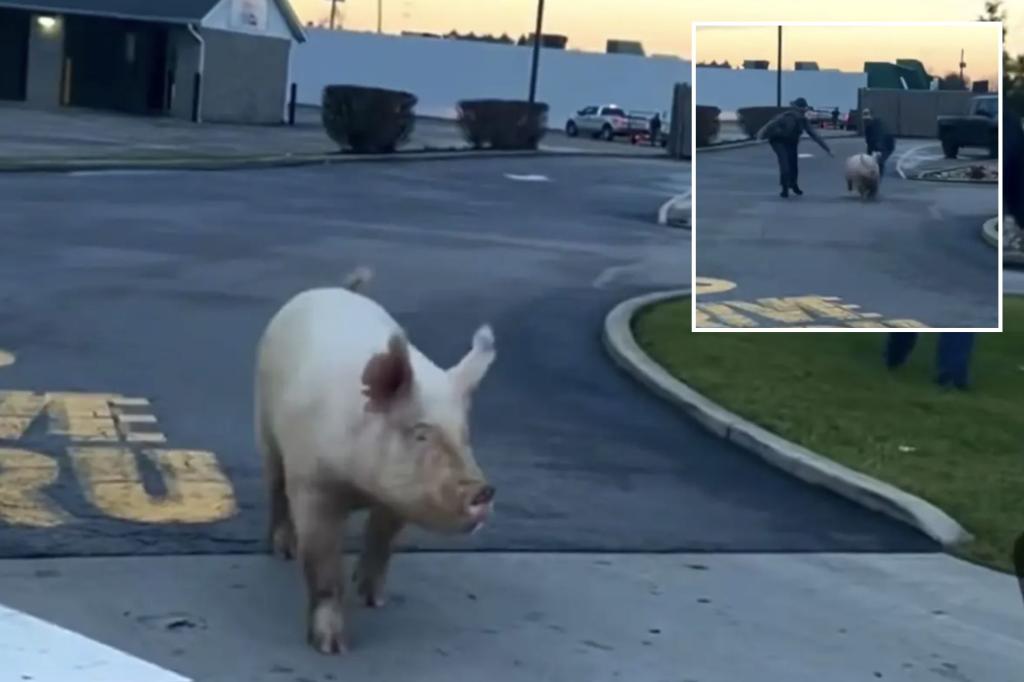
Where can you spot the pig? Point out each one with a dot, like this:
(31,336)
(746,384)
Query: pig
(349,415)
(862,174)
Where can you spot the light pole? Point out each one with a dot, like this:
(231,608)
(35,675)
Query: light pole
(334,12)
(380,16)
(778,73)
(536,51)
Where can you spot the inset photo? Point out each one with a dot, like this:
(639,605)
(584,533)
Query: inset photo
(846,176)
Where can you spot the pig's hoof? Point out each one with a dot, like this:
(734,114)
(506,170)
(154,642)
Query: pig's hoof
(329,644)
(371,590)
(326,632)
(283,542)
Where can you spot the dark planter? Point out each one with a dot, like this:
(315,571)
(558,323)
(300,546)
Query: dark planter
(367,120)
(503,124)
(706,125)
(752,119)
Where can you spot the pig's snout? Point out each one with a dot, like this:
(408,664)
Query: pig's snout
(483,496)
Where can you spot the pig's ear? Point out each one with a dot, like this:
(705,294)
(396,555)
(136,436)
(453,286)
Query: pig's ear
(470,371)
(387,378)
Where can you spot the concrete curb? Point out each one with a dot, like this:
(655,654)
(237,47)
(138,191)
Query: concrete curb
(796,460)
(676,211)
(990,233)
(288,160)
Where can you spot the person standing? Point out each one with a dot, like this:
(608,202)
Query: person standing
(878,139)
(783,134)
(655,129)
(1013,166)
(835,118)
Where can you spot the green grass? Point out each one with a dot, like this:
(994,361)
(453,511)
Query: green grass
(962,451)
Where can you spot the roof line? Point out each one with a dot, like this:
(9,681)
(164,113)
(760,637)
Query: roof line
(286,10)
(292,19)
(54,9)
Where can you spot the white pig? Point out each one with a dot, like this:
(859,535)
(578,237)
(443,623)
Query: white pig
(349,415)
(862,174)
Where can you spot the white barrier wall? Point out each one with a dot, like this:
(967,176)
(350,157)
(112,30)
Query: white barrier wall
(731,89)
(441,72)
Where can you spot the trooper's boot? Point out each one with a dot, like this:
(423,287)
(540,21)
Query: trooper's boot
(796,190)
(784,193)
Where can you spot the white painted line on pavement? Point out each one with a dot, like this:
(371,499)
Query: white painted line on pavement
(114,172)
(32,649)
(667,206)
(909,154)
(527,178)
(805,155)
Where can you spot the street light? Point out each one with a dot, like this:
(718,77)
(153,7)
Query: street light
(778,74)
(536,51)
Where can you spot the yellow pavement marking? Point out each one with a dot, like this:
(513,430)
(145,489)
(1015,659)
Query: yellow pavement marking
(82,416)
(17,411)
(704,320)
(776,309)
(802,311)
(707,285)
(23,475)
(728,316)
(6,358)
(196,489)
(85,417)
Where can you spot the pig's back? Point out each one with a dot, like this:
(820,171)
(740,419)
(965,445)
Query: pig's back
(316,347)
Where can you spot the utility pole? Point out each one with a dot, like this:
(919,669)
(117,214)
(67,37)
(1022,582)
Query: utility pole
(536,51)
(778,73)
(380,16)
(334,12)
(962,65)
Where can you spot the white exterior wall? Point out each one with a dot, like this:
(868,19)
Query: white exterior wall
(731,89)
(441,72)
(220,18)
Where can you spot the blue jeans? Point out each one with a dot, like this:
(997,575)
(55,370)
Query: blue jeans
(953,357)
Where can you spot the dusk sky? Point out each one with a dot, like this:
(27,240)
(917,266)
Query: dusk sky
(848,48)
(664,25)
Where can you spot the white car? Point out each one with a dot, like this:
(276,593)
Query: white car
(606,121)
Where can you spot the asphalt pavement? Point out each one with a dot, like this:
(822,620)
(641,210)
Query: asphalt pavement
(629,544)
(911,258)
(155,287)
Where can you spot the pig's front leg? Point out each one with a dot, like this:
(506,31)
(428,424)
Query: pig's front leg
(382,527)
(319,526)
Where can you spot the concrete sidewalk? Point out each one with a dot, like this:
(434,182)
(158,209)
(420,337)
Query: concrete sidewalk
(561,618)
(32,135)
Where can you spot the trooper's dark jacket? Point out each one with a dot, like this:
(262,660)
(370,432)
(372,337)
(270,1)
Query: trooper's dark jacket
(878,137)
(789,126)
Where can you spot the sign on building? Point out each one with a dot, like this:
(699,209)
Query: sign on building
(249,14)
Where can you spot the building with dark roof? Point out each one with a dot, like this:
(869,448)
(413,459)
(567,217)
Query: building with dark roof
(214,60)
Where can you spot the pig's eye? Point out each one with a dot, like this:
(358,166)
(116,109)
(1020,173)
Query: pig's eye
(421,432)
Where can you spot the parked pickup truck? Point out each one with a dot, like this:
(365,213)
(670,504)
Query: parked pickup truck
(607,122)
(978,128)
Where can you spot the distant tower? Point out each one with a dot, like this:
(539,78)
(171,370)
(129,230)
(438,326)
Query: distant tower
(963,64)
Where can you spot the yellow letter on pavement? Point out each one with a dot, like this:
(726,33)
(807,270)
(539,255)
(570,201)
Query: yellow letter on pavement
(23,475)
(196,489)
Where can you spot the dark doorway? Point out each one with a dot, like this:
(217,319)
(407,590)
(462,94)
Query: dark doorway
(14,32)
(114,64)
